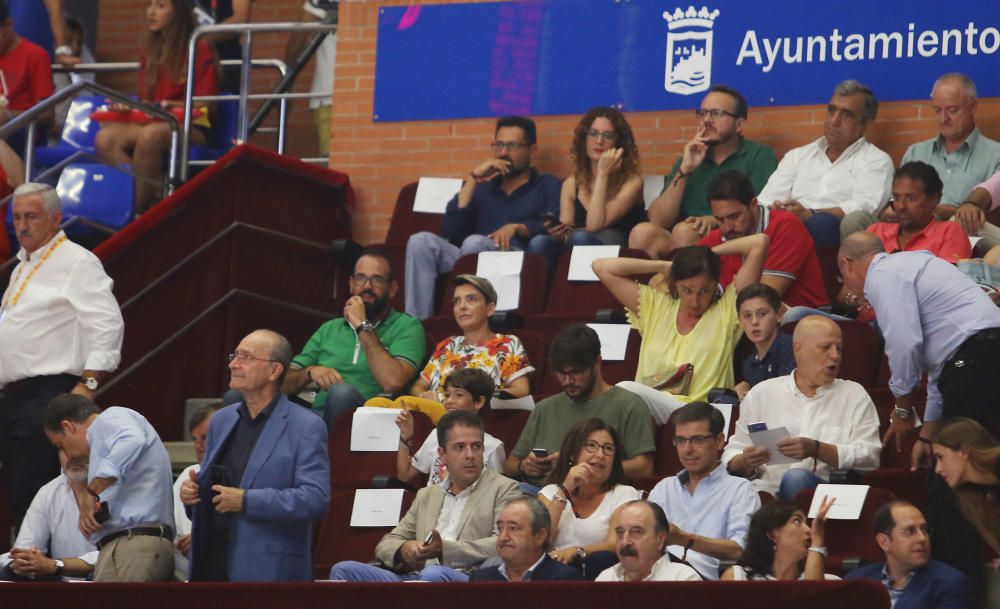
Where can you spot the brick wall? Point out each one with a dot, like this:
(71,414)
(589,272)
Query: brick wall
(121,22)
(382,157)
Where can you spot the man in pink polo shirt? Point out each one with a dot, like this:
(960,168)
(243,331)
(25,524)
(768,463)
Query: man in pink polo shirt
(916,191)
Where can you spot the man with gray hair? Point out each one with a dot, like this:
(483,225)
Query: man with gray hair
(837,174)
(61,331)
(265,477)
(524,530)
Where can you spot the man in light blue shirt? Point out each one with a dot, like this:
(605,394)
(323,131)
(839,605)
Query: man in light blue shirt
(708,509)
(129,511)
(961,154)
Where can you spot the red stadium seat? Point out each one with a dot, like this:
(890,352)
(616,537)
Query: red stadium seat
(338,540)
(848,541)
(827,255)
(406,222)
(505,425)
(355,469)
(534,283)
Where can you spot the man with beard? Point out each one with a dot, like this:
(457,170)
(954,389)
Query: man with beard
(50,544)
(371,350)
(832,423)
(575,360)
(500,207)
(913,580)
(718,145)
(836,175)
(792,267)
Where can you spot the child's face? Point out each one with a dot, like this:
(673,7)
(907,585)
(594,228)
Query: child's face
(457,398)
(758,320)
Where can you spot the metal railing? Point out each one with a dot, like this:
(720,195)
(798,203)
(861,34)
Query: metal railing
(247,30)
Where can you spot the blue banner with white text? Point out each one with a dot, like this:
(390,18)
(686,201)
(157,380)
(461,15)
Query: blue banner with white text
(537,57)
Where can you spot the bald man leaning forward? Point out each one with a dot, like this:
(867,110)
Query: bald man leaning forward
(832,422)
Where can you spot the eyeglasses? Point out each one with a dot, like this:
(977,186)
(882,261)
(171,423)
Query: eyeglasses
(607,136)
(508,146)
(592,447)
(714,113)
(246,357)
(377,281)
(694,440)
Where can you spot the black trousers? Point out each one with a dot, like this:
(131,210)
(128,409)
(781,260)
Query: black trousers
(970,387)
(29,459)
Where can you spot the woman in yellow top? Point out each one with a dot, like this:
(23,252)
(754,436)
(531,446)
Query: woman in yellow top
(692,322)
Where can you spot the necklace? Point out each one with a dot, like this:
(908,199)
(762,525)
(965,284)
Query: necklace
(20,289)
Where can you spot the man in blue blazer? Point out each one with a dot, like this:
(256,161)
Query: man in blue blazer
(265,478)
(523,528)
(913,580)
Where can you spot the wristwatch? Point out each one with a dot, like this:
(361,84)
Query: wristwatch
(365,326)
(59,567)
(902,413)
(90,382)
(581,555)
(819,550)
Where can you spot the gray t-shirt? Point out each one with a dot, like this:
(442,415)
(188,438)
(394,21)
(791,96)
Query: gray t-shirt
(552,418)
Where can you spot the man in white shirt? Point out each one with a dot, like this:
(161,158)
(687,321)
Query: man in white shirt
(832,423)
(198,426)
(50,545)
(451,527)
(641,540)
(709,510)
(61,331)
(837,174)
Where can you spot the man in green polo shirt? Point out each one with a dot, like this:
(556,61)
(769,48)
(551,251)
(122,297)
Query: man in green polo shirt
(372,349)
(681,215)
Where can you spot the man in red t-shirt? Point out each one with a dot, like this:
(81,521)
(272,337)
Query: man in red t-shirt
(26,70)
(792,267)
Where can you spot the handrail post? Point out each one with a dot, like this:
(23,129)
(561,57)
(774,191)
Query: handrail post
(243,133)
(188,94)
(29,151)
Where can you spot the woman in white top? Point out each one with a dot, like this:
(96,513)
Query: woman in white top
(781,546)
(584,491)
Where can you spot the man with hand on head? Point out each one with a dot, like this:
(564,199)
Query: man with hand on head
(127,511)
(523,537)
(641,532)
(500,207)
(265,477)
(372,349)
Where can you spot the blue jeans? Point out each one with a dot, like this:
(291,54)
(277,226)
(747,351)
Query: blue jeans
(340,398)
(551,249)
(796,480)
(824,228)
(359,572)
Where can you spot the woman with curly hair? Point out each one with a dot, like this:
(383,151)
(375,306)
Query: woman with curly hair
(602,200)
(162,81)
(968,458)
(781,546)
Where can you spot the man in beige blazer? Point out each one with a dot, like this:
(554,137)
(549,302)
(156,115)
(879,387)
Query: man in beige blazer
(449,530)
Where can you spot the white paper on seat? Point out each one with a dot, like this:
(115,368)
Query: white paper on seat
(525,403)
(433,194)
(376,507)
(503,269)
(848,500)
(652,186)
(375,429)
(769,439)
(582,256)
(614,340)
(727,413)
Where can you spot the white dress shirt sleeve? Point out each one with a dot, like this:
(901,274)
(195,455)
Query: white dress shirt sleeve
(98,314)
(779,185)
(863,447)
(36,530)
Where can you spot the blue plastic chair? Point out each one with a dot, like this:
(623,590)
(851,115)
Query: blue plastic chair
(97,192)
(78,133)
(224,129)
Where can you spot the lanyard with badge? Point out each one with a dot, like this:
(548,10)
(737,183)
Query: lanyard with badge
(20,290)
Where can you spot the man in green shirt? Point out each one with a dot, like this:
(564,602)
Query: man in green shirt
(681,216)
(372,349)
(575,360)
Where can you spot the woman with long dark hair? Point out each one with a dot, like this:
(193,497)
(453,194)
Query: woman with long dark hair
(782,546)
